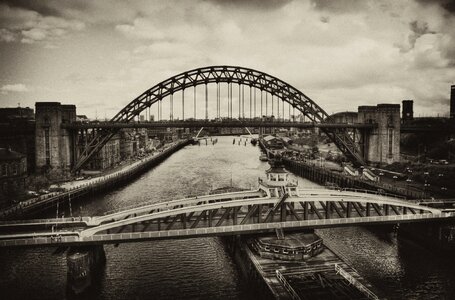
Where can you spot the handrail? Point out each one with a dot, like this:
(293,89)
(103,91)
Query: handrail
(287,286)
(339,270)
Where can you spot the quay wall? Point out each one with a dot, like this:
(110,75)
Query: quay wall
(105,183)
(322,176)
(440,235)
(237,248)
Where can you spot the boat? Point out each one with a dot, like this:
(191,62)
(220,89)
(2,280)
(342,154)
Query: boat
(263,157)
(293,247)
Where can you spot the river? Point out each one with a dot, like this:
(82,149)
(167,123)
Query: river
(201,268)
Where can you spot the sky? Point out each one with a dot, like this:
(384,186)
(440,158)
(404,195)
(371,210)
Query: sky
(100,54)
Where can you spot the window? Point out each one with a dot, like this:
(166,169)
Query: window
(47,146)
(14,167)
(390,138)
(5,169)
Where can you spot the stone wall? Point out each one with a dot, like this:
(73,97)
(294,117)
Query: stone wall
(54,145)
(381,144)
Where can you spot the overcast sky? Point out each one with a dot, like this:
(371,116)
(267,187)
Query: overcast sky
(101,54)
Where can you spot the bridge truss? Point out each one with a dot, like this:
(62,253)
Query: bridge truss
(230,75)
(240,213)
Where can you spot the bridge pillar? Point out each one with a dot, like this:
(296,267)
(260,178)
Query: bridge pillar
(54,145)
(84,263)
(382,144)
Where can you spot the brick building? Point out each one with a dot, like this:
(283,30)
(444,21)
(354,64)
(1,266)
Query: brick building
(13,171)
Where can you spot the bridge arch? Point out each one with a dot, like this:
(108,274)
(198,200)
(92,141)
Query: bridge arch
(233,75)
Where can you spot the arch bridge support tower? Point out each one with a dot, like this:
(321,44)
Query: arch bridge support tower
(54,145)
(381,145)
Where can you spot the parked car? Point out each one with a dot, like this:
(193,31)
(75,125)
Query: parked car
(32,193)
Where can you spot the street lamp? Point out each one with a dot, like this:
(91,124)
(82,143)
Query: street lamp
(425,186)
(440,176)
(408,181)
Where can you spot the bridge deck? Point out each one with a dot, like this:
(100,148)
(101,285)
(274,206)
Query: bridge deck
(229,213)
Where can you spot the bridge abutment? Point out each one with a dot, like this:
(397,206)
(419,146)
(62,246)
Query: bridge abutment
(83,263)
(439,235)
(54,144)
(381,145)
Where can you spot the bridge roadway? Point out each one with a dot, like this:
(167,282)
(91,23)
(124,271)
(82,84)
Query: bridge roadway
(221,214)
(254,123)
(232,123)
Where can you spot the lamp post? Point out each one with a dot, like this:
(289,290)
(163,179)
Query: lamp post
(408,181)
(440,176)
(426,184)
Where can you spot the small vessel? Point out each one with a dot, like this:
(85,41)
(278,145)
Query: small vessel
(263,157)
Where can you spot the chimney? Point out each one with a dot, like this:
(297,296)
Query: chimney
(407,110)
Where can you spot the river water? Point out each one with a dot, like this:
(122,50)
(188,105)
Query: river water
(201,268)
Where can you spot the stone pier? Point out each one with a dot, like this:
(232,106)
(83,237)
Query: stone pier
(54,145)
(381,146)
(84,263)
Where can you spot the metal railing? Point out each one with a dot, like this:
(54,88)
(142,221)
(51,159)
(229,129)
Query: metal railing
(339,270)
(287,286)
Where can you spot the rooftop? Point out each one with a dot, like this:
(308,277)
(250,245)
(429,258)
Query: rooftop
(8,154)
(290,241)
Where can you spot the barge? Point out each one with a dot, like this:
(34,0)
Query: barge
(295,265)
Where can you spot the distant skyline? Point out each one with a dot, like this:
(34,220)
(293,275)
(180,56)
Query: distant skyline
(100,55)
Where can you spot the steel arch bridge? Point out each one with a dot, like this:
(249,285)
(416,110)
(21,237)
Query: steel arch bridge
(225,74)
(222,214)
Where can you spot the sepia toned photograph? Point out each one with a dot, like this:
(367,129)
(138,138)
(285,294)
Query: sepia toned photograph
(227,149)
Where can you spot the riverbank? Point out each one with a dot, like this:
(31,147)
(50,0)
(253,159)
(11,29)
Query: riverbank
(77,189)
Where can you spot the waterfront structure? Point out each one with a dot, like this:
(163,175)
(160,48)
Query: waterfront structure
(273,143)
(73,143)
(452,101)
(277,203)
(382,144)
(252,79)
(345,117)
(13,172)
(54,144)
(17,132)
(407,111)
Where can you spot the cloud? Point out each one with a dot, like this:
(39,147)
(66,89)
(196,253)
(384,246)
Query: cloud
(252,4)
(340,6)
(7,35)
(341,53)
(29,26)
(141,29)
(448,5)
(13,88)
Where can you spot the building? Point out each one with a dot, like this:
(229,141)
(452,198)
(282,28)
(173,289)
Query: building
(381,145)
(408,112)
(109,155)
(17,132)
(344,117)
(54,144)
(452,101)
(273,142)
(10,113)
(13,171)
